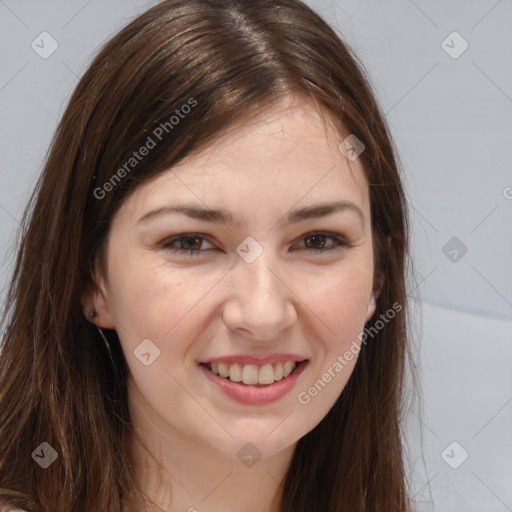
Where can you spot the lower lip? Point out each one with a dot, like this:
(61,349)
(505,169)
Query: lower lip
(249,394)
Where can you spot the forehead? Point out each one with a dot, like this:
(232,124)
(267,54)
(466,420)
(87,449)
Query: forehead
(283,157)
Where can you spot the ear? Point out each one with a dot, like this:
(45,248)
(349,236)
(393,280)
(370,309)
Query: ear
(379,283)
(95,298)
(377,289)
(372,304)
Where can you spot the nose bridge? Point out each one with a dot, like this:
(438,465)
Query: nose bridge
(259,300)
(260,283)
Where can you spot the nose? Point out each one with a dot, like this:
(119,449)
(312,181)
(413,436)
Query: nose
(260,303)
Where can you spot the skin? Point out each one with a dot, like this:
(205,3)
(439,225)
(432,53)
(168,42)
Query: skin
(288,300)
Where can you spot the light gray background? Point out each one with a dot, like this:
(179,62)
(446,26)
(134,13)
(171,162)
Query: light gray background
(451,119)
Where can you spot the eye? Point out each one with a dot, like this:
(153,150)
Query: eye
(191,243)
(319,238)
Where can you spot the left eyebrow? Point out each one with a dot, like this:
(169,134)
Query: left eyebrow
(322,210)
(227,217)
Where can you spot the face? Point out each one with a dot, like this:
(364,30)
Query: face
(214,310)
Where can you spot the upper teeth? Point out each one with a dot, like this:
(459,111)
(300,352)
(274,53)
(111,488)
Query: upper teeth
(252,374)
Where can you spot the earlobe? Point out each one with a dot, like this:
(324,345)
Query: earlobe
(372,305)
(95,306)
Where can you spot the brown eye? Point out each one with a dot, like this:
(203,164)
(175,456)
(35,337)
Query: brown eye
(187,243)
(312,240)
(192,244)
(316,242)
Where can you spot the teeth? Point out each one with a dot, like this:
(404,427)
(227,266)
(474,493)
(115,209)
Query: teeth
(288,368)
(252,374)
(235,373)
(266,375)
(278,373)
(223,370)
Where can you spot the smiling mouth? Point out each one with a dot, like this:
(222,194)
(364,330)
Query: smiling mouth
(254,375)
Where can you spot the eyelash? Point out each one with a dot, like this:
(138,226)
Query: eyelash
(166,244)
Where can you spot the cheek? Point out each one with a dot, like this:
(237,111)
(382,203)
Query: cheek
(151,294)
(340,300)
(341,307)
(164,304)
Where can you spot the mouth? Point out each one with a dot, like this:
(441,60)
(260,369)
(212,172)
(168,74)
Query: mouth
(254,383)
(252,374)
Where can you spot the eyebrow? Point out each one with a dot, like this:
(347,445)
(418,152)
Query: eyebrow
(226,217)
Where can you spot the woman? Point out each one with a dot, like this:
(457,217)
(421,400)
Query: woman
(208,309)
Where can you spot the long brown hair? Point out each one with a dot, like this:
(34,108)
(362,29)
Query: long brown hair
(226,59)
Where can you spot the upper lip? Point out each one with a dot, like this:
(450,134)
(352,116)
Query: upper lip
(259,360)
